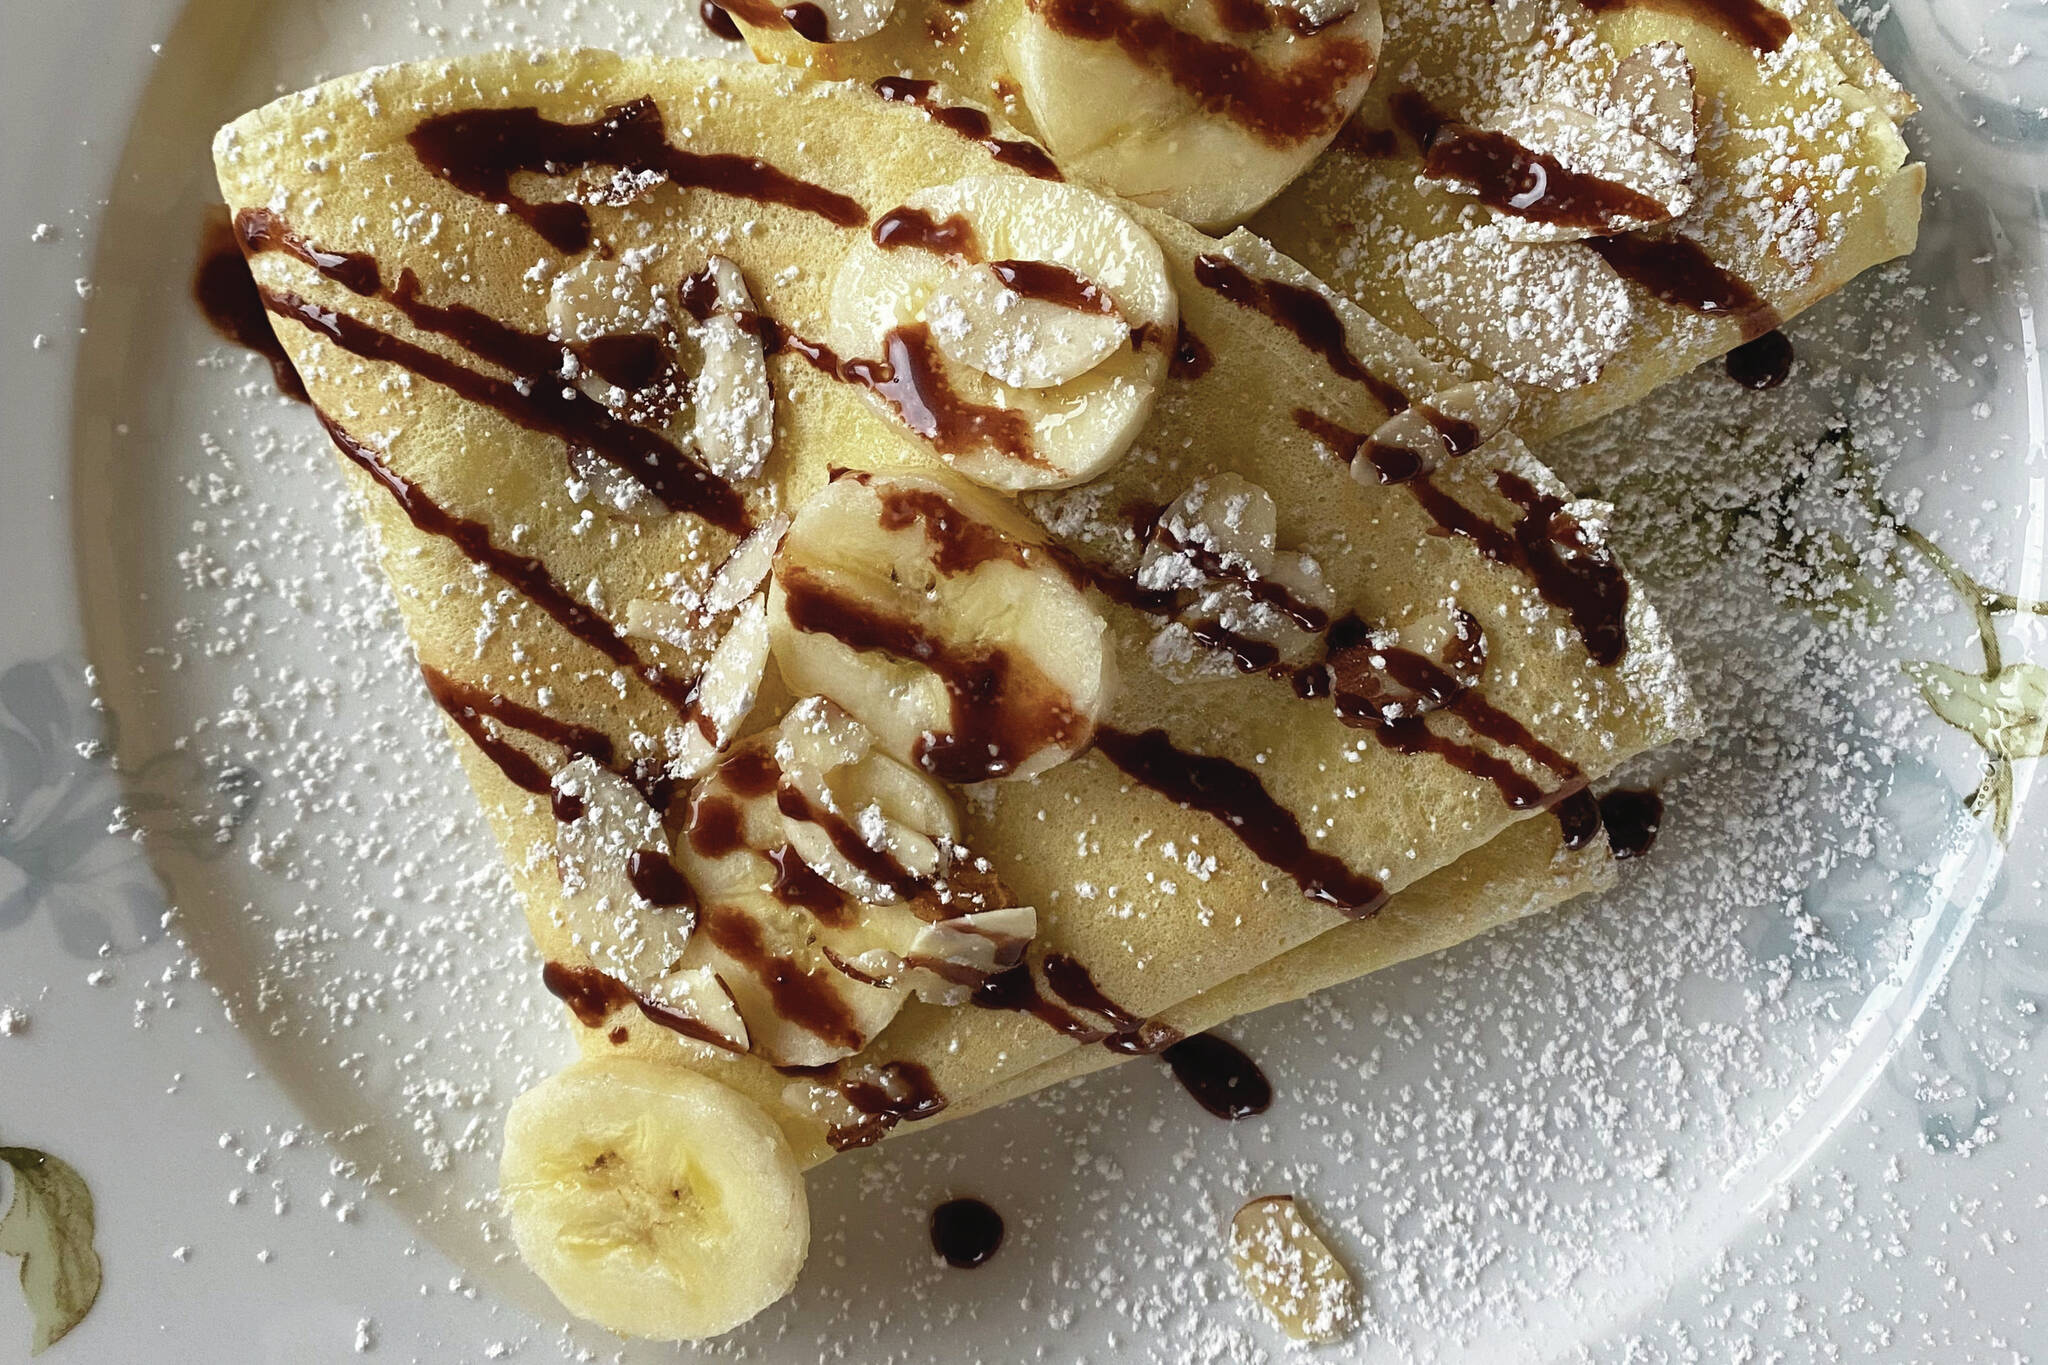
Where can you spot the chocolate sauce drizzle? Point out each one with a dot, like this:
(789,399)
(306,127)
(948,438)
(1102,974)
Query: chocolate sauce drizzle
(801,998)
(1571,570)
(1281,105)
(1235,795)
(954,236)
(681,482)
(966,1232)
(478,151)
(593,996)
(1745,21)
(1004,710)
(1532,185)
(1191,359)
(971,124)
(469,706)
(1017,990)
(898,1091)
(1220,1077)
(523,572)
(1678,271)
(226,294)
(1302,311)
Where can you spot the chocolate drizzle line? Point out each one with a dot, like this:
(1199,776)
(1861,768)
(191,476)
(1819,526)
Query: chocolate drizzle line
(226,294)
(1744,21)
(478,151)
(971,124)
(1004,709)
(469,705)
(1281,105)
(1678,271)
(1302,311)
(901,1090)
(593,996)
(1017,990)
(954,236)
(473,538)
(1221,1078)
(1532,185)
(797,997)
(553,408)
(1220,788)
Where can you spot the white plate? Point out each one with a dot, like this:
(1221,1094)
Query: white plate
(1775,1095)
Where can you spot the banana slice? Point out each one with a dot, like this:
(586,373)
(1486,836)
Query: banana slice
(1291,1271)
(931,613)
(1218,542)
(1202,110)
(833,889)
(1020,325)
(652,1199)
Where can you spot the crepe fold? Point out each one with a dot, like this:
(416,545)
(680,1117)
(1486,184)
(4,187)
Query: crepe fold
(1226,843)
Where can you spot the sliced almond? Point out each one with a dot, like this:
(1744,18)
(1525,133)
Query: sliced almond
(1450,422)
(946,959)
(1027,343)
(745,569)
(1653,91)
(726,691)
(1550,314)
(698,1004)
(1291,1272)
(605,297)
(735,405)
(1379,680)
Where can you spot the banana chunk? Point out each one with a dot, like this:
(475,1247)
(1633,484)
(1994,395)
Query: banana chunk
(833,889)
(931,613)
(652,1199)
(1202,110)
(1022,326)
(1291,1272)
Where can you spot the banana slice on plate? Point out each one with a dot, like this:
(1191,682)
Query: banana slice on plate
(1021,326)
(1204,109)
(652,1199)
(931,613)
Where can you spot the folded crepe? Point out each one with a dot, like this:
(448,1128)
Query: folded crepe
(1584,199)
(909,618)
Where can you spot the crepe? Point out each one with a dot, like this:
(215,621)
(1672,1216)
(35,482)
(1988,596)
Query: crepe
(1787,169)
(410,302)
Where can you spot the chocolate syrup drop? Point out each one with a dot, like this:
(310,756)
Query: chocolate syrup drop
(966,1232)
(1632,816)
(1220,1077)
(1763,363)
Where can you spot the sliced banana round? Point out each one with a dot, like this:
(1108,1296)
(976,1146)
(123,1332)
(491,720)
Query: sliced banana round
(653,1200)
(783,860)
(1257,101)
(1019,325)
(931,613)
(1219,542)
